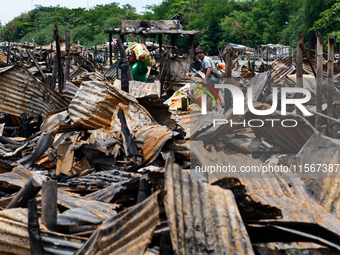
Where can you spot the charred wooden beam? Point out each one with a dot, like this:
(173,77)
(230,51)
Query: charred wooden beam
(131,146)
(27,192)
(330,69)
(227,77)
(95,57)
(319,80)
(125,60)
(299,68)
(9,45)
(60,68)
(33,228)
(36,63)
(142,38)
(49,205)
(125,78)
(144,190)
(191,48)
(68,55)
(308,59)
(54,72)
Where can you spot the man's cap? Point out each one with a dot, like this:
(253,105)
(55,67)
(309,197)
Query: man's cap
(199,49)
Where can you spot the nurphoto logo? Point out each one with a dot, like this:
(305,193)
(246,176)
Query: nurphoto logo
(238,105)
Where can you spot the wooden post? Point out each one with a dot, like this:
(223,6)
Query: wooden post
(49,205)
(125,60)
(142,38)
(54,72)
(68,58)
(319,80)
(160,42)
(105,58)
(144,190)
(36,63)
(228,78)
(110,49)
(121,36)
(33,228)
(9,45)
(330,69)
(60,68)
(95,57)
(191,48)
(299,67)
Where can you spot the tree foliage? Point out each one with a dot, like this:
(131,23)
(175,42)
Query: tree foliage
(248,22)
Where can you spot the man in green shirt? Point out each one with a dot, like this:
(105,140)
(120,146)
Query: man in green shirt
(138,68)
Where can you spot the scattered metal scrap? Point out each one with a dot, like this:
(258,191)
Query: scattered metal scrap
(125,169)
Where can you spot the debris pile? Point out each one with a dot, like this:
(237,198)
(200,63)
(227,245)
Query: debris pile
(88,168)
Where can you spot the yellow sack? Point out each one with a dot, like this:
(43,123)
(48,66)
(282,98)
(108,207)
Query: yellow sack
(176,100)
(141,49)
(194,107)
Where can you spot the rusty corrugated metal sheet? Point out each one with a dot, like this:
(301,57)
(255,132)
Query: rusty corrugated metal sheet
(129,232)
(78,71)
(290,139)
(281,67)
(203,219)
(21,92)
(285,191)
(153,138)
(72,200)
(18,176)
(138,89)
(70,90)
(3,58)
(323,181)
(112,72)
(96,105)
(15,236)
(14,232)
(65,159)
(57,243)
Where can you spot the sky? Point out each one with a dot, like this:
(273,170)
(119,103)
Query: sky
(10,9)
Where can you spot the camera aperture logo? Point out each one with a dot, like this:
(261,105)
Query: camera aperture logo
(238,105)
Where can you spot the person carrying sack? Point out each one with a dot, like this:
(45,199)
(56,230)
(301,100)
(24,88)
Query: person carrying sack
(139,68)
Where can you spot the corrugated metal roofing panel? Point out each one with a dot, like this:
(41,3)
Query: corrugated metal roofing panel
(154,138)
(70,90)
(290,139)
(129,232)
(21,92)
(3,58)
(320,159)
(14,236)
(203,219)
(71,200)
(139,89)
(282,190)
(96,105)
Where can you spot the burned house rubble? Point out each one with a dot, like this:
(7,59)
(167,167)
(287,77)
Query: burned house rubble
(93,162)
